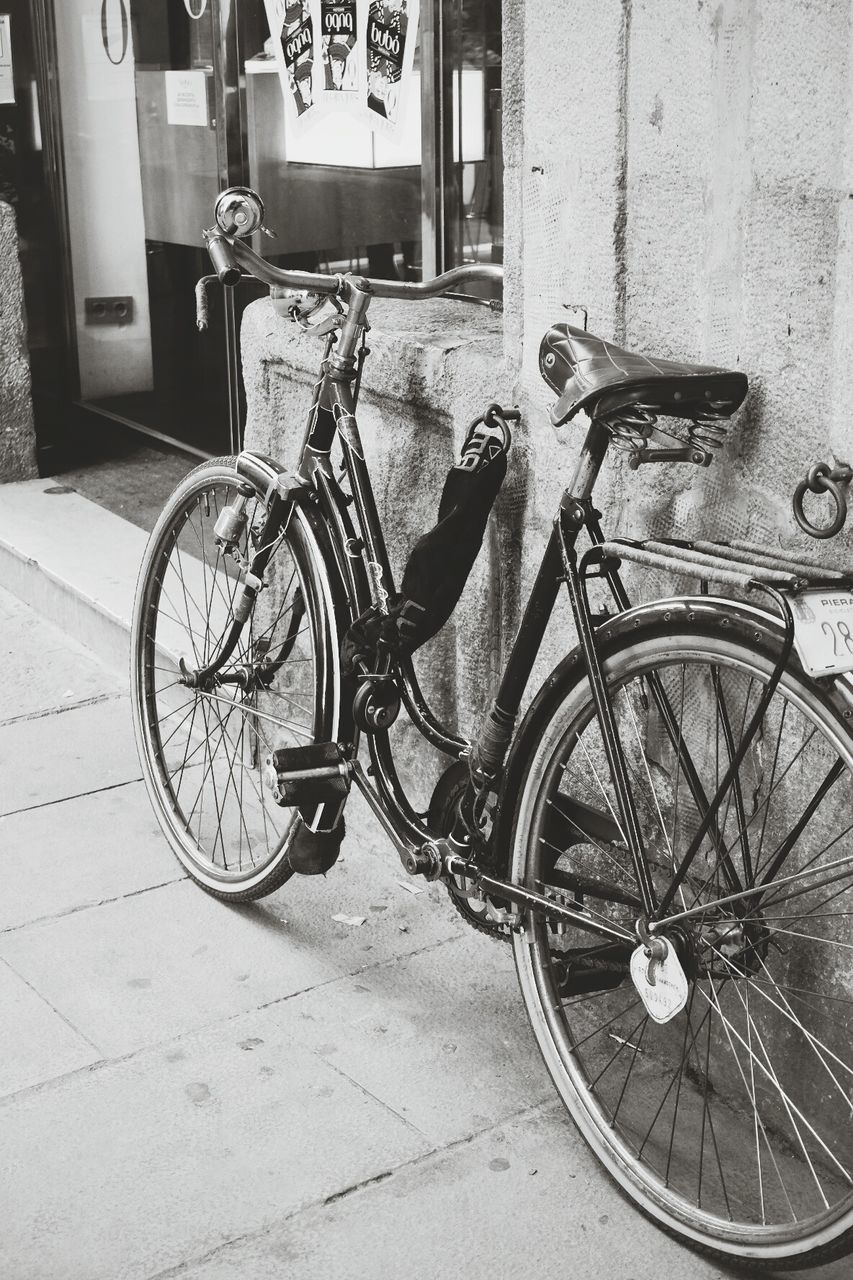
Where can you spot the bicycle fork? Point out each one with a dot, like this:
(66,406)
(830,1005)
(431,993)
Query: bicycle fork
(229,528)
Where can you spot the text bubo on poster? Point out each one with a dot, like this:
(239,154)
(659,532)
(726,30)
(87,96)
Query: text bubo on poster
(353,56)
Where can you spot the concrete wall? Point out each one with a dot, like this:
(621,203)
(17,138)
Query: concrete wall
(17,432)
(683,169)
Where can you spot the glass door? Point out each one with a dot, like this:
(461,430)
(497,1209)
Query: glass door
(141,143)
(151,107)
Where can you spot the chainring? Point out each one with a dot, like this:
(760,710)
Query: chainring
(441,816)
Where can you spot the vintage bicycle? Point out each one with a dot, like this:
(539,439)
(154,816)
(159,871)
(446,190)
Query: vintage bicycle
(665,837)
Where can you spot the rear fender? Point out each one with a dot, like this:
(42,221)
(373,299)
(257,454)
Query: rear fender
(757,627)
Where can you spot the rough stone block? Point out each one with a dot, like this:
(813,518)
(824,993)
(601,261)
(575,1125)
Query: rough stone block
(433,367)
(17,432)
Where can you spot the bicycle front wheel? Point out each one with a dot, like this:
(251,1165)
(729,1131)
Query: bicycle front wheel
(732,1124)
(204,752)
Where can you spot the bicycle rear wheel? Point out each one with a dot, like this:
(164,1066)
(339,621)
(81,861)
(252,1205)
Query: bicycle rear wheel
(731,1125)
(204,752)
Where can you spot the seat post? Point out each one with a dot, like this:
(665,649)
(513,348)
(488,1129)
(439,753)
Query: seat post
(588,466)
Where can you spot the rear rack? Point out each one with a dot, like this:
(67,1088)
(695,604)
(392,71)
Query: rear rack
(737,564)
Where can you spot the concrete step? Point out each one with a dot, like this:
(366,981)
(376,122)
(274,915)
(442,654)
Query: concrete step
(73,561)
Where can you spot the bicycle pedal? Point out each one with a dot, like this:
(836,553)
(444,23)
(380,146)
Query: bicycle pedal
(313,853)
(308,775)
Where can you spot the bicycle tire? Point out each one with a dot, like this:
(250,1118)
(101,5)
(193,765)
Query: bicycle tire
(763,1095)
(226,830)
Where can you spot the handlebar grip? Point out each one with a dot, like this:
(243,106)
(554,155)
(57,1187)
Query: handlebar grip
(225,264)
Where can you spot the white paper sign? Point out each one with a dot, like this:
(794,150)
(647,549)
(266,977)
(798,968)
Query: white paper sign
(823,630)
(352,57)
(7,82)
(390,37)
(292,26)
(186,98)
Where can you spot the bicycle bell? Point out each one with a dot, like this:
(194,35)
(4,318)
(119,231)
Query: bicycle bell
(239,211)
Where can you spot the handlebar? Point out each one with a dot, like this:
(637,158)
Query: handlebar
(224,264)
(231,256)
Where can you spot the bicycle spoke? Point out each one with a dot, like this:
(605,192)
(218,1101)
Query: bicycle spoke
(687,1031)
(594,771)
(637,1050)
(788,1103)
(623,1042)
(817,1044)
(232,783)
(261,715)
(739,1116)
(678,755)
(183,764)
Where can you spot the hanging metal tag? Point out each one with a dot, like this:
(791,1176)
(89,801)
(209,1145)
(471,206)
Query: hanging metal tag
(661,983)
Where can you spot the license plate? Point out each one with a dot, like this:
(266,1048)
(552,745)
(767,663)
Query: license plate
(823,631)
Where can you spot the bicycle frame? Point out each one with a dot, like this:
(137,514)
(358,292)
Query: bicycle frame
(364,567)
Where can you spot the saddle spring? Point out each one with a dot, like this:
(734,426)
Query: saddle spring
(631,426)
(709,430)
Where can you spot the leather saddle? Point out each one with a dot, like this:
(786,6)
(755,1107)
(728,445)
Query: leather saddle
(589,373)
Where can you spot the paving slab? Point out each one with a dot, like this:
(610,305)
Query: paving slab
(400,914)
(80,852)
(134,1167)
(44,669)
(441,1036)
(158,964)
(74,561)
(523,1199)
(78,751)
(38,1044)
(526,1198)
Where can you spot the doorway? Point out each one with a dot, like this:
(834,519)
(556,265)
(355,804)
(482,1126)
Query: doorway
(134,114)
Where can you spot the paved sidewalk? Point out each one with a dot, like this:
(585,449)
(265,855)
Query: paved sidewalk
(195,1090)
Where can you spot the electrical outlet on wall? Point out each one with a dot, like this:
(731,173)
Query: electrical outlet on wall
(112,310)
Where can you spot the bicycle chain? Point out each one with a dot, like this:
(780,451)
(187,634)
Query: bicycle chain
(491,928)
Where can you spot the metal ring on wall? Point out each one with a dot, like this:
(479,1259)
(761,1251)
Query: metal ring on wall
(125,32)
(819,481)
(202,9)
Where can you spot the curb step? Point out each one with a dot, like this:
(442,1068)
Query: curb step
(72,561)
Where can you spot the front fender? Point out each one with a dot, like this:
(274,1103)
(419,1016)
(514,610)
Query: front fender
(269,475)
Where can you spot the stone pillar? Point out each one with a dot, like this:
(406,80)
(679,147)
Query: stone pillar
(684,171)
(17,431)
(565,153)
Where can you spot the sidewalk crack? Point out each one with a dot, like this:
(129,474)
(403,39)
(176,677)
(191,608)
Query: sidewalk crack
(46,804)
(98,1050)
(386,1106)
(89,906)
(94,700)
